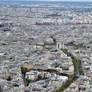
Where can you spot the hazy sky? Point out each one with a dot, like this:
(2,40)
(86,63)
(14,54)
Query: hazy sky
(57,0)
(49,0)
(66,0)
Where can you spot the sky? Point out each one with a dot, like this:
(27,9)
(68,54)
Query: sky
(64,0)
(57,0)
(51,0)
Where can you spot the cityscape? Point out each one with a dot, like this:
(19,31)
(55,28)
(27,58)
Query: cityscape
(45,46)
